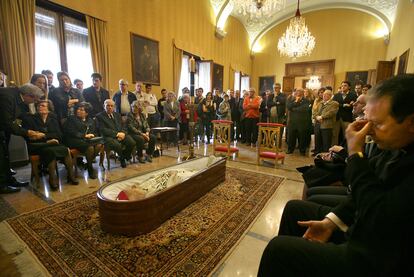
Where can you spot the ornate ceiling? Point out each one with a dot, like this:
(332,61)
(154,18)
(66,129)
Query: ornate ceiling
(383,10)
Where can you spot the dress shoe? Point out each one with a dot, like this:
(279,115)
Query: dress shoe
(8,189)
(141,160)
(123,163)
(149,159)
(92,173)
(289,152)
(73,181)
(18,184)
(12,172)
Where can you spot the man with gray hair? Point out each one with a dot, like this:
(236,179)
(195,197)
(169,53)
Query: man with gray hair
(15,103)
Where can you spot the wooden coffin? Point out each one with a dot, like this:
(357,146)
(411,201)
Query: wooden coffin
(141,216)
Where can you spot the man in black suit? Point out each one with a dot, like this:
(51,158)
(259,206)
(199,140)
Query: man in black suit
(279,100)
(96,95)
(377,216)
(14,103)
(236,105)
(298,107)
(114,134)
(346,98)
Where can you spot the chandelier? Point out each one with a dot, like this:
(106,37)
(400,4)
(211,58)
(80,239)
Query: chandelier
(313,83)
(297,41)
(257,10)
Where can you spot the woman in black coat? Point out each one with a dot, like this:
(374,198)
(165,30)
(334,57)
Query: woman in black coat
(81,134)
(50,147)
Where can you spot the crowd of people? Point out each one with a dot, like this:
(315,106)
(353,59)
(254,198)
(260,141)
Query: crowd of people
(87,119)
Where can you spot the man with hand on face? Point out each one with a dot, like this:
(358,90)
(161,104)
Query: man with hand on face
(377,216)
(114,134)
(15,103)
(65,97)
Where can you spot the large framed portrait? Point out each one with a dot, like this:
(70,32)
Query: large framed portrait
(266,83)
(145,60)
(403,62)
(218,71)
(356,77)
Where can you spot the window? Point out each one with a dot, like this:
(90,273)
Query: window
(245,83)
(185,75)
(202,77)
(62,44)
(236,81)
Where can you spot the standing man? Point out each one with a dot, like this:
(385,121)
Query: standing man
(65,97)
(96,95)
(346,99)
(161,103)
(150,104)
(298,107)
(279,100)
(15,103)
(123,100)
(49,76)
(358,89)
(325,118)
(236,104)
(78,84)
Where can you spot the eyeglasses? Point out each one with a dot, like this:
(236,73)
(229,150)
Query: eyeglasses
(122,84)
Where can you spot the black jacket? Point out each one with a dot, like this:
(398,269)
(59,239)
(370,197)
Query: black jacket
(12,108)
(345,113)
(380,213)
(50,128)
(117,100)
(91,96)
(108,127)
(60,100)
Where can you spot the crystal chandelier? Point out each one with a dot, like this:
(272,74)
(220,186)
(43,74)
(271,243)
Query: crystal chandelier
(257,10)
(313,83)
(297,41)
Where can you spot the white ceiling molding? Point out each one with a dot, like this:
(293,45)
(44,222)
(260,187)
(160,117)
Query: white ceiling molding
(383,10)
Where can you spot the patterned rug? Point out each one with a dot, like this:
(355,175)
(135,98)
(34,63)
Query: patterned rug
(66,238)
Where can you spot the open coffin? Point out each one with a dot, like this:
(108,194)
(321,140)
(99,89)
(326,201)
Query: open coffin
(156,196)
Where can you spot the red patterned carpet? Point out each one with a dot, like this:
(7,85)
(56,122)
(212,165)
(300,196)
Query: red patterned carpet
(66,238)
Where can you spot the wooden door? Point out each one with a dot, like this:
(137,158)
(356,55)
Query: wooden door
(385,70)
(288,84)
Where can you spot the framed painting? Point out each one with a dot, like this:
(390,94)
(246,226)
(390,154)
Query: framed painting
(356,77)
(145,60)
(402,62)
(265,83)
(218,71)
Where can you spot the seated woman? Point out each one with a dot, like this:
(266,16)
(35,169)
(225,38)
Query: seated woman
(139,130)
(81,134)
(50,147)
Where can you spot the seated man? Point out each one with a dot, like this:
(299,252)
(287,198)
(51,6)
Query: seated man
(115,136)
(139,130)
(376,217)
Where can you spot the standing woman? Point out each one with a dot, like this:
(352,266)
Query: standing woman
(209,114)
(81,134)
(49,148)
(184,118)
(171,114)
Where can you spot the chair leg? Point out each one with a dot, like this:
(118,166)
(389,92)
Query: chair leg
(101,158)
(108,159)
(35,172)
